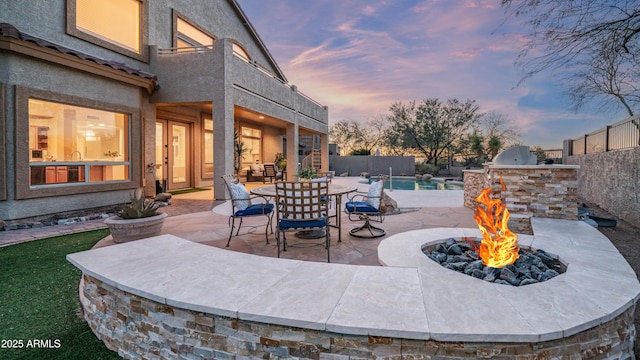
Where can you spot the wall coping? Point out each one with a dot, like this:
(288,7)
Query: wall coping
(407,301)
(534,167)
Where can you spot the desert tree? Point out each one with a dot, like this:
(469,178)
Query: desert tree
(472,149)
(432,128)
(498,132)
(345,133)
(354,136)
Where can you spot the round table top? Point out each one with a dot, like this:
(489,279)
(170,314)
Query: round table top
(334,189)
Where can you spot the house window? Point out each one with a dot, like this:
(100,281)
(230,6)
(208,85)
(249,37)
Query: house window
(252,139)
(71,144)
(238,50)
(189,36)
(207,143)
(114,24)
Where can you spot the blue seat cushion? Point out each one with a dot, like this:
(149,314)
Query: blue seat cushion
(360,207)
(292,224)
(256,209)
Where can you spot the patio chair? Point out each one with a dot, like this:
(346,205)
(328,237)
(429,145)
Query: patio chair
(323,177)
(255,172)
(241,206)
(302,206)
(269,172)
(367,205)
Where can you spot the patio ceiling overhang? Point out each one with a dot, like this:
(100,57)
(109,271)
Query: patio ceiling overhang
(243,114)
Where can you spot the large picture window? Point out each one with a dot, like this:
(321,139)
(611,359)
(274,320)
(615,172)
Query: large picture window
(115,24)
(74,144)
(252,139)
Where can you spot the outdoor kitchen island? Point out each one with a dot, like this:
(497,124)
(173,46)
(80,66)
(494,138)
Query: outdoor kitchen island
(167,297)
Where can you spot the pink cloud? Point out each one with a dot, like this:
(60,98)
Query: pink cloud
(368,10)
(465,55)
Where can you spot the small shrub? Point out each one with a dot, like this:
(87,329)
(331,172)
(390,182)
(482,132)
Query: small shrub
(426,168)
(361,152)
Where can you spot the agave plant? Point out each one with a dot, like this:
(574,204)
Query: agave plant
(140,207)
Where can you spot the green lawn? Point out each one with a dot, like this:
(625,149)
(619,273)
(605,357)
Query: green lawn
(39,301)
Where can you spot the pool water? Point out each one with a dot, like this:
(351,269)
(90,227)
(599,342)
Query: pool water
(402,183)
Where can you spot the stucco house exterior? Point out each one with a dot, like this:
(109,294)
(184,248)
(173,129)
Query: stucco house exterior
(99,97)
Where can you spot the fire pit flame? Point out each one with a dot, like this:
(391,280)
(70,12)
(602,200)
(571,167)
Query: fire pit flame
(499,246)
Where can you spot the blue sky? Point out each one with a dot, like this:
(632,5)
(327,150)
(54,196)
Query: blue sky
(358,57)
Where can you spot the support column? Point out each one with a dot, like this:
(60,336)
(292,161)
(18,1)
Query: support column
(324,152)
(292,150)
(223,118)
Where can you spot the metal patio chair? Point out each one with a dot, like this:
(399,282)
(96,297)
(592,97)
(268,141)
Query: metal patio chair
(302,206)
(241,206)
(269,172)
(367,207)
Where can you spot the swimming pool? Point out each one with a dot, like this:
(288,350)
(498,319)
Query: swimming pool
(405,183)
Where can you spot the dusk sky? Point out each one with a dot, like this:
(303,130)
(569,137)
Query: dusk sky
(359,57)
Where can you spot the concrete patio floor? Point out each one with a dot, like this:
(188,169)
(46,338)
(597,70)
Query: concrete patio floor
(419,210)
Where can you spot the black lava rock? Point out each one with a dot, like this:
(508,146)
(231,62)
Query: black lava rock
(529,268)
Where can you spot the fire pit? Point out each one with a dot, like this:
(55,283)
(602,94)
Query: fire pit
(462,255)
(496,256)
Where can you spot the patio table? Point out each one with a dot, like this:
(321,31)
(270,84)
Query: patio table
(334,190)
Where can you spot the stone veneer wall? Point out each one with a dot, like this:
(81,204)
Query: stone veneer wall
(474,182)
(547,191)
(137,327)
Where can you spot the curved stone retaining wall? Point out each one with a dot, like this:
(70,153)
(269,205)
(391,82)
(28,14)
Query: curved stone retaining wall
(169,298)
(137,327)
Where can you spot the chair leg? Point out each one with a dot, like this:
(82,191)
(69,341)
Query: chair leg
(278,241)
(232,220)
(239,226)
(328,244)
(266,228)
(284,241)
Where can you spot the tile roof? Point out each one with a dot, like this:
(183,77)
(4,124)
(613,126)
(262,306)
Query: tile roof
(9,30)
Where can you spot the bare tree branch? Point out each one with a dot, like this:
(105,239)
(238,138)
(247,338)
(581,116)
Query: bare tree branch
(594,42)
